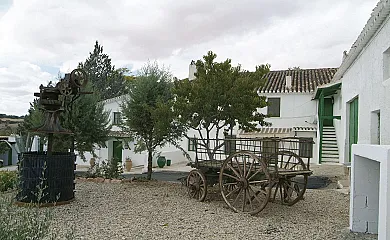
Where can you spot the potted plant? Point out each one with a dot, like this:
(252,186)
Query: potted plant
(128,164)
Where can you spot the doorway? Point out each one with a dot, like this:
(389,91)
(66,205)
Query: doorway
(353,124)
(117,150)
(328,112)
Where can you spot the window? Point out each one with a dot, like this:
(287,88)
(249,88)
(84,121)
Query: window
(192,144)
(117,118)
(230,144)
(273,109)
(306,147)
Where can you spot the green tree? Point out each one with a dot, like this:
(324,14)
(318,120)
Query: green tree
(107,81)
(86,117)
(147,111)
(219,98)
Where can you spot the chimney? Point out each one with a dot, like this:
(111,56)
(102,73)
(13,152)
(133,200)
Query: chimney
(345,55)
(192,71)
(288,82)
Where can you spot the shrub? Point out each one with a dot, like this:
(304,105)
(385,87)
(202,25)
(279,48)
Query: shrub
(8,180)
(94,171)
(28,222)
(112,168)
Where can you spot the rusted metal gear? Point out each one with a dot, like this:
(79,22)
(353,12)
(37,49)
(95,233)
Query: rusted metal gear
(78,78)
(65,88)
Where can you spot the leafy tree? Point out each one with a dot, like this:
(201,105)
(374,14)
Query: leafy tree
(107,81)
(85,116)
(147,111)
(221,97)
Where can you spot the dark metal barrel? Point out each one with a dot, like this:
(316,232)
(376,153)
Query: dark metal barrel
(54,174)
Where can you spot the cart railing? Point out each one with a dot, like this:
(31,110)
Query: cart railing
(212,152)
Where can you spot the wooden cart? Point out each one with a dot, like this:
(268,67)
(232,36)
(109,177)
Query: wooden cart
(251,171)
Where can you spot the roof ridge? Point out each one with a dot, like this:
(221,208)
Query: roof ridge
(302,81)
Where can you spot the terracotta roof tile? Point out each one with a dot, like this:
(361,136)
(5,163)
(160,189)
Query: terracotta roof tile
(302,80)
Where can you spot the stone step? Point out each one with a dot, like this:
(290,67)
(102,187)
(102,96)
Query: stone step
(326,134)
(330,154)
(328,158)
(329,139)
(331,146)
(329,143)
(329,161)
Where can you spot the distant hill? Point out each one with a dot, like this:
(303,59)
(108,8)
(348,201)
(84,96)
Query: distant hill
(2,115)
(9,122)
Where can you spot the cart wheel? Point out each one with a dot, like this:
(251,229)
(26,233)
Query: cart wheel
(289,188)
(196,184)
(244,181)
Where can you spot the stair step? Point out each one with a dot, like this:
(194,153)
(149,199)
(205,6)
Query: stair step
(329,142)
(330,153)
(329,161)
(329,156)
(332,146)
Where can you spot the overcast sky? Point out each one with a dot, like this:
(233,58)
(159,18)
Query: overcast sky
(39,38)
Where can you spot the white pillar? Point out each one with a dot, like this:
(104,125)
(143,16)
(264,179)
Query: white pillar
(370,190)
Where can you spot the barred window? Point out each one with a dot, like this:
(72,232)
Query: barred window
(192,144)
(117,118)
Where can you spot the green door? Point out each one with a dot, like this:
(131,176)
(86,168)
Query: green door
(353,124)
(328,111)
(117,150)
(10,157)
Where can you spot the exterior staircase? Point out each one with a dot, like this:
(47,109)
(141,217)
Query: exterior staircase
(330,152)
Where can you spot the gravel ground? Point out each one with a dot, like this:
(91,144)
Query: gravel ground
(160,210)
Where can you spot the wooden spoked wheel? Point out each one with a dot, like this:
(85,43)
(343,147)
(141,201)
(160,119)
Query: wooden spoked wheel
(196,184)
(292,178)
(243,181)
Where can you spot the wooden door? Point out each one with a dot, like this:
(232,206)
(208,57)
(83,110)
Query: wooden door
(117,150)
(353,124)
(328,111)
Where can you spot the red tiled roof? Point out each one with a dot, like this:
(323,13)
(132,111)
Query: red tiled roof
(302,80)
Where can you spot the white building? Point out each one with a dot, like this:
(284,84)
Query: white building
(361,93)
(118,147)
(294,115)
(290,93)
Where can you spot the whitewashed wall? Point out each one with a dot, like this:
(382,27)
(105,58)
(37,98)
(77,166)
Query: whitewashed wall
(296,110)
(369,79)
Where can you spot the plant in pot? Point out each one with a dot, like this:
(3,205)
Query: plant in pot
(128,164)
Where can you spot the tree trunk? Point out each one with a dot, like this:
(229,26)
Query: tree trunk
(150,155)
